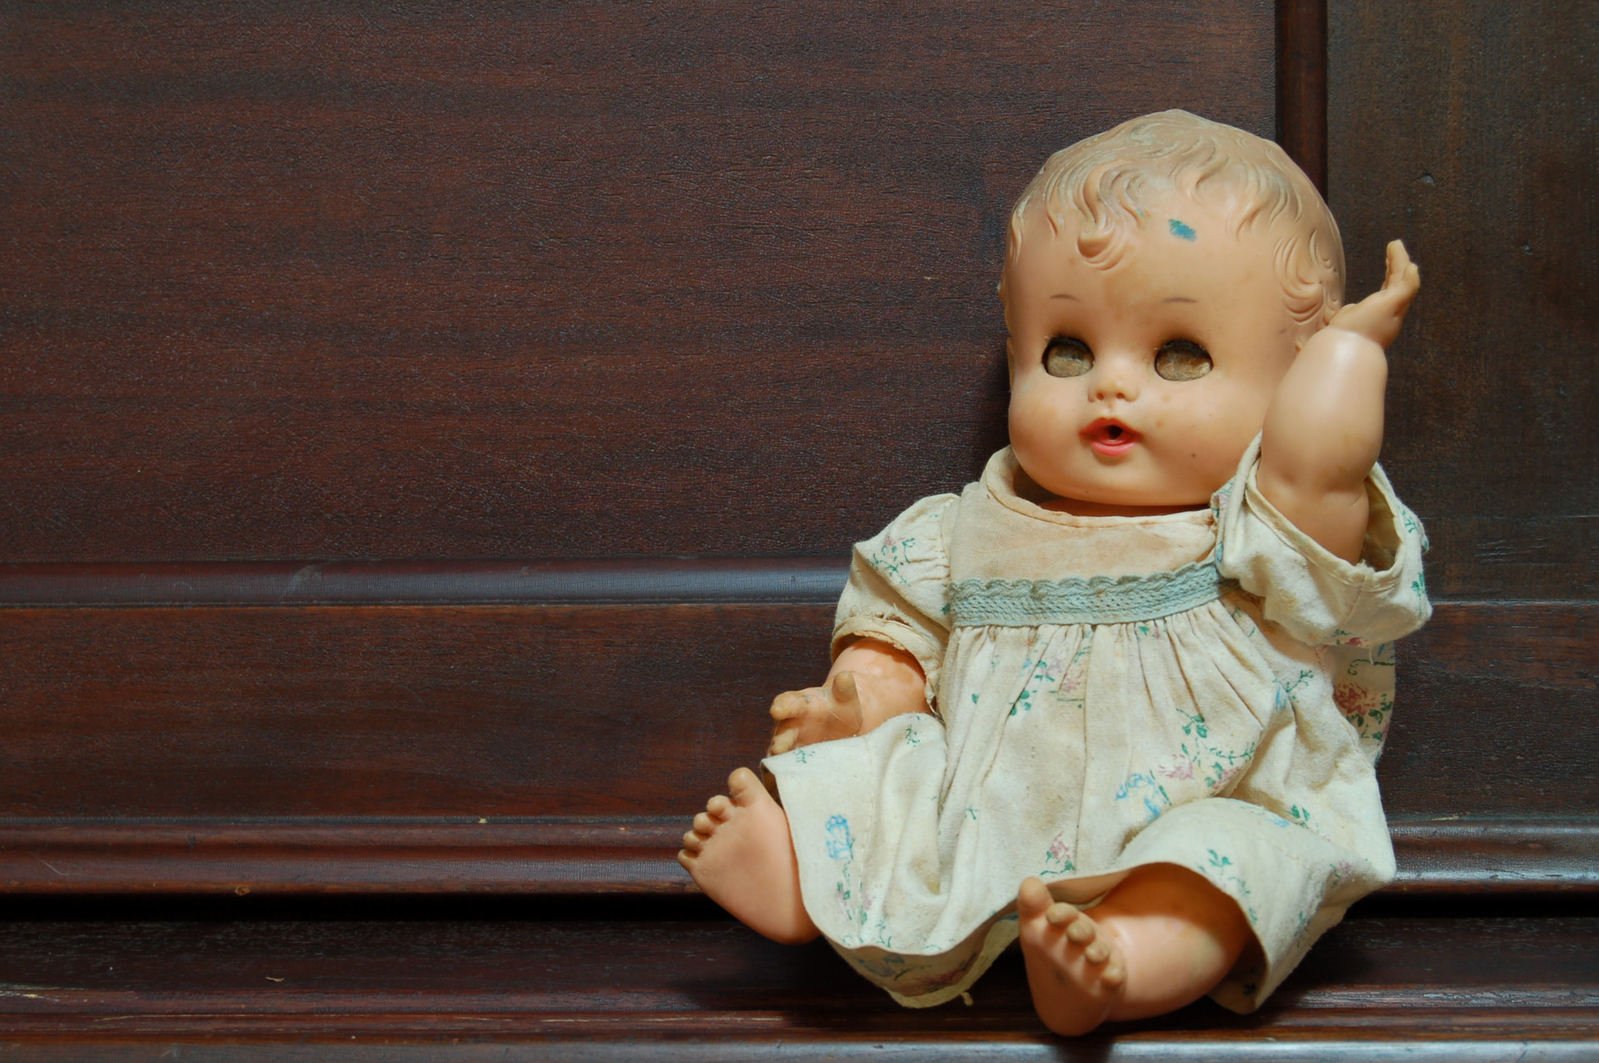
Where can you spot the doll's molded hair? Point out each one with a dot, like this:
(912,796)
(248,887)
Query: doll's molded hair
(1106,181)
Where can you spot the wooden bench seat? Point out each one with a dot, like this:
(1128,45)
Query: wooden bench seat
(656,979)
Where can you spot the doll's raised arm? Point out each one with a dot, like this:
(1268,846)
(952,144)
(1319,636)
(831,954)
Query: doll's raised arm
(1324,427)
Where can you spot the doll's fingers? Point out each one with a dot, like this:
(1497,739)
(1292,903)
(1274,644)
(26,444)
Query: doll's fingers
(782,742)
(788,705)
(1402,275)
(1397,258)
(844,688)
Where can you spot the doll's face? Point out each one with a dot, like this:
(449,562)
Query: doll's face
(1137,387)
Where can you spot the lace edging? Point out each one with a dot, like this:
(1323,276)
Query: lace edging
(1094,600)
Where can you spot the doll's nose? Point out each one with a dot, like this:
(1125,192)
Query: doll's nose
(1113,378)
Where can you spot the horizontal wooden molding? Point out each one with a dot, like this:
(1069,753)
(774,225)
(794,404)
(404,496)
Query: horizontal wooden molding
(801,580)
(607,855)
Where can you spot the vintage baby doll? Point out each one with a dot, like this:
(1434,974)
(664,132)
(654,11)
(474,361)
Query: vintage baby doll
(1120,699)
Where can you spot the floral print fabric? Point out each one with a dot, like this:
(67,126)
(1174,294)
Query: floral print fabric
(1207,688)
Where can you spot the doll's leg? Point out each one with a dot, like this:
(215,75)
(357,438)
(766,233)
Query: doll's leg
(741,855)
(1163,938)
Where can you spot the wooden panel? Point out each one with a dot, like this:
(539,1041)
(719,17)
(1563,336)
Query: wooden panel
(562,747)
(1494,436)
(597,710)
(495,711)
(1381,988)
(428,280)
(458,712)
(1495,714)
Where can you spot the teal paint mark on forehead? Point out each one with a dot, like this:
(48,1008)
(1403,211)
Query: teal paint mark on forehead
(1182,231)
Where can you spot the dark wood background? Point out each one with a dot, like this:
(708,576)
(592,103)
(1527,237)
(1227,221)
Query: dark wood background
(432,432)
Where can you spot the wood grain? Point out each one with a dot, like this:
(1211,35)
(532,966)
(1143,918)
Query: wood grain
(460,712)
(1375,988)
(574,710)
(615,856)
(383,748)
(492,280)
(1494,420)
(409,410)
(1302,85)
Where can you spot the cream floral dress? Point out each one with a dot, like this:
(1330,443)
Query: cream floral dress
(1208,688)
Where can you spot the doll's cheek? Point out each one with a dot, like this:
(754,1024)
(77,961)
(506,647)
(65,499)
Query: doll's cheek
(1034,425)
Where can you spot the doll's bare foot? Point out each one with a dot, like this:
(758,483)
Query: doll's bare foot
(1161,939)
(1075,968)
(817,714)
(740,854)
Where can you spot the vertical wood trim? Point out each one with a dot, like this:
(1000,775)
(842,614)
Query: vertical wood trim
(1302,85)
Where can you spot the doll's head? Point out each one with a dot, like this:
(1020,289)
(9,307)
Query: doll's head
(1159,279)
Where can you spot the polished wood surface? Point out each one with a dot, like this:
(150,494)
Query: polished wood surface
(452,713)
(494,280)
(408,410)
(1468,129)
(551,984)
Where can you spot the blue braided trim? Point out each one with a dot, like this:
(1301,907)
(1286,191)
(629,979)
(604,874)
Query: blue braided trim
(1099,600)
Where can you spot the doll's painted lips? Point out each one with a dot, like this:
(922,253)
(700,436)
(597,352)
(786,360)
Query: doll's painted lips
(1110,438)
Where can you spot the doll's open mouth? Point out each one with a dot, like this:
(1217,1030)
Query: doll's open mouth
(1110,438)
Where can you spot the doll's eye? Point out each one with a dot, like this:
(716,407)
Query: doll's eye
(1181,360)
(1067,356)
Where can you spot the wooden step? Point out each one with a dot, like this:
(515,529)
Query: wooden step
(542,980)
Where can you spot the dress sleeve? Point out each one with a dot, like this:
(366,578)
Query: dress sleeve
(898,590)
(1316,596)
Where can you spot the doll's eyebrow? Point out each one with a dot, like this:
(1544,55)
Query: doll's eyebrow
(1066,295)
(1178,299)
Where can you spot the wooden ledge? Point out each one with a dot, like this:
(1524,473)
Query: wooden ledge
(616,855)
(566,987)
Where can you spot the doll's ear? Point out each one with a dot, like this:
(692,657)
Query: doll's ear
(1329,309)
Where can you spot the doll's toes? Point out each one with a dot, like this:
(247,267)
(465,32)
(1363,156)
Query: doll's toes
(1033,898)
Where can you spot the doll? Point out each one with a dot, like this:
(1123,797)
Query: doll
(1121,699)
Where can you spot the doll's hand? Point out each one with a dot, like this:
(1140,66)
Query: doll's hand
(1378,316)
(871,681)
(816,714)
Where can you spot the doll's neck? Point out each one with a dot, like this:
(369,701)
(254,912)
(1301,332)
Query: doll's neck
(1028,488)
(1079,508)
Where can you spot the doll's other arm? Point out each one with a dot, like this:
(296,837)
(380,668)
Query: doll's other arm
(1324,427)
(870,682)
